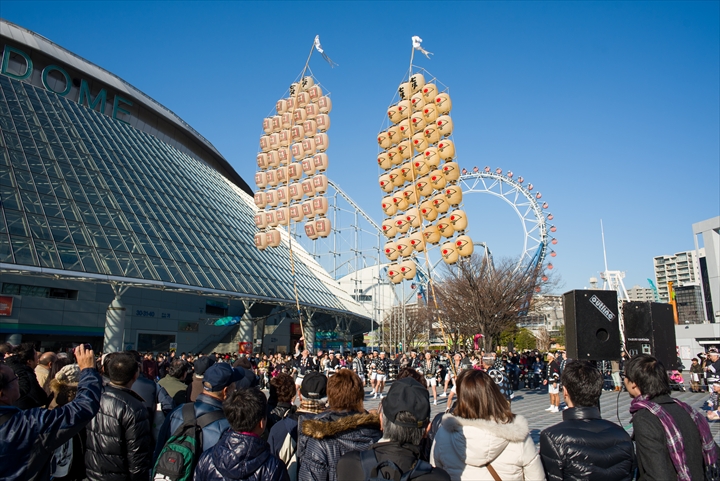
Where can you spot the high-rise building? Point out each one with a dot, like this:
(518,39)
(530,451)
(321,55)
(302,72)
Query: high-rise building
(680,269)
(119,221)
(637,293)
(709,231)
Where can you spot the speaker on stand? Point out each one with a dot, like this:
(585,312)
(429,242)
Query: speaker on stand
(592,331)
(650,329)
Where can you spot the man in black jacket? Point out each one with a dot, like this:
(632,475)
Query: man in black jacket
(24,361)
(585,446)
(119,442)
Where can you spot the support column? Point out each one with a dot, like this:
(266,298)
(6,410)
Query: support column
(309,335)
(114,326)
(14,339)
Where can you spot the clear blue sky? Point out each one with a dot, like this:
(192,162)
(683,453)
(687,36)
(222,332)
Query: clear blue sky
(611,109)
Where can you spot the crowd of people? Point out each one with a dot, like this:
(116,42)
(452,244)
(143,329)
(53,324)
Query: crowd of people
(132,416)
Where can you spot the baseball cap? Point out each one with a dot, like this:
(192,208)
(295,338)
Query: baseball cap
(219,376)
(314,386)
(407,395)
(202,365)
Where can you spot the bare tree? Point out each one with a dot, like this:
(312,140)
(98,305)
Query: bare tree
(411,323)
(543,339)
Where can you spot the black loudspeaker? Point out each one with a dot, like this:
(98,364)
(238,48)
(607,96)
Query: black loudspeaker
(650,329)
(592,328)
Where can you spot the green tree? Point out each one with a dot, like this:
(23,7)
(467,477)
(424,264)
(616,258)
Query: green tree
(525,339)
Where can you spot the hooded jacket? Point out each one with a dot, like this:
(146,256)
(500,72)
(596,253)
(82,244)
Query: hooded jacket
(323,438)
(464,447)
(585,446)
(240,456)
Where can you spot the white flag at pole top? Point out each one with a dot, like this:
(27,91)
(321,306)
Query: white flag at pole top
(417,45)
(320,50)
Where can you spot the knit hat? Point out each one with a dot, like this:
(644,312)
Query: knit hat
(314,386)
(69,374)
(202,365)
(407,395)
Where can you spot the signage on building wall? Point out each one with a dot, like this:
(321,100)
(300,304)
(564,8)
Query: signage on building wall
(295,329)
(6,303)
(85,98)
(245,347)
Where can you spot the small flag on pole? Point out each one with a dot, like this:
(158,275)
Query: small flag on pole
(417,45)
(320,50)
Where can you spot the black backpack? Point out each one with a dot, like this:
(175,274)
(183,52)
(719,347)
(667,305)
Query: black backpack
(180,454)
(372,468)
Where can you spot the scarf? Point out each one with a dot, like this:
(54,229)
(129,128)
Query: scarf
(674,439)
(313,406)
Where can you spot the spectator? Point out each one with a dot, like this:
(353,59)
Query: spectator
(282,392)
(43,368)
(196,388)
(150,367)
(5,350)
(28,438)
(483,439)
(23,362)
(404,419)
(324,437)
(173,382)
(499,377)
(583,445)
(241,453)
(152,394)
(118,438)
(552,379)
(672,440)
(163,365)
(696,373)
(69,462)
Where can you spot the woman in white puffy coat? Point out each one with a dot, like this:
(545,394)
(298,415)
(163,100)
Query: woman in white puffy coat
(484,435)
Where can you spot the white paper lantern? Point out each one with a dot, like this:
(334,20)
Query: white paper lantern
(321,142)
(309,146)
(270,178)
(432,134)
(388,228)
(429,92)
(431,234)
(430,113)
(260,200)
(451,171)
(400,202)
(413,217)
(320,205)
(446,149)
(437,179)
(449,253)
(404,90)
(315,92)
(420,166)
(286,120)
(396,177)
(321,162)
(388,206)
(310,127)
(260,180)
(404,149)
(323,122)
(273,159)
(271,218)
(417,241)
(306,83)
(384,161)
(432,157)
(408,269)
(453,193)
(410,195)
(260,241)
(417,82)
(271,198)
(283,215)
(307,188)
(464,245)
(443,103)
(399,111)
(262,159)
(283,195)
(295,171)
(284,138)
(284,155)
(440,203)
(297,133)
(303,98)
(310,230)
(404,247)
(267,125)
(385,183)
(311,110)
(265,143)
(295,191)
(417,101)
(419,141)
(424,188)
(260,220)
(418,122)
(320,183)
(298,151)
(445,125)
(391,251)
(394,134)
(384,140)
(322,227)
(428,211)
(296,213)
(276,123)
(394,274)
(325,104)
(307,209)
(299,115)
(394,156)
(445,227)
(281,106)
(401,224)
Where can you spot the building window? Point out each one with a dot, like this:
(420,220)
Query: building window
(154,342)
(39,291)
(216,308)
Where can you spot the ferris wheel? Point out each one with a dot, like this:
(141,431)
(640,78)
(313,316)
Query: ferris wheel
(530,209)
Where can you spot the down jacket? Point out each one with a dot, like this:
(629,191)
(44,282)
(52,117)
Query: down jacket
(240,456)
(584,446)
(324,437)
(119,443)
(464,447)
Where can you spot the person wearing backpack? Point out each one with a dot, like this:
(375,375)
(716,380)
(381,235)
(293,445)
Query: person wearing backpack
(404,417)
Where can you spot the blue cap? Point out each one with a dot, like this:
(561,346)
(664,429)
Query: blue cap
(219,376)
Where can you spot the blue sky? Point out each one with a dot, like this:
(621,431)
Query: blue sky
(611,109)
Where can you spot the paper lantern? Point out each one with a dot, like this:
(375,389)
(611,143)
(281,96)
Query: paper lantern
(430,113)
(445,227)
(408,269)
(295,89)
(394,156)
(385,183)
(407,172)
(295,170)
(275,124)
(260,200)
(297,133)
(413,217)
(323,122)
(404,90)
(444,125)
(451,171)
(417,241)
(307,209)
(399,111)
(306,83)
(260,180)
(284,155)
(320,205)
(283,195)
(321,142)
(394,274)
(404,247)
(410,196)
(260,241)
(281,175)
(449,253)
(446,149)
(417,82)
(311,111)
(267,125)
(289,104)
(404,128)
(464,245)
(394,134)
(320,183)
(281,106)
(303,98)
(271,218)
(388,206)
(419,141)
(401,224)
(419,165)
(265,143)
(428,211)
(432,157)
(271,198)
(309,127)
(400,202)
(296,212)
(429,92)
(458,219)
(284,138)
(432,134)
(393,178)
(307,188)
(443,103)
(431,234)
(315,92)
(321,162)
(274,140)
(440,202)
(310,230)
(384,160)
(424,187)
(273,238)
(260,220)
(309,146)
(271,178)
(286,120)
(404,149)
(418,122)
(262,159)
(397,177)
(384,140)
(437,179)
(322,227)
(299,115)
(295,191)
(325,104)
(298,151)
(388,228)
(273,159)
(391,251)
(417,101)
(453,194)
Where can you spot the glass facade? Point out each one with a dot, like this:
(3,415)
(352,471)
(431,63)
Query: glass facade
(82,192)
